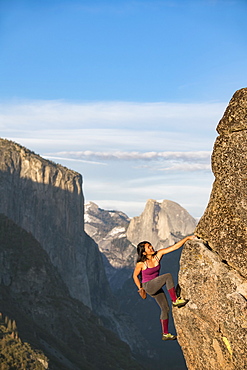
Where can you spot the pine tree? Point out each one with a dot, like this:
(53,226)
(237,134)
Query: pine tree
(9,325)
(14,326)
(6,320)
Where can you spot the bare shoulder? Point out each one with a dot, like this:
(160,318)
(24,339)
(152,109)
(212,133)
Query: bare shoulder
(139,265)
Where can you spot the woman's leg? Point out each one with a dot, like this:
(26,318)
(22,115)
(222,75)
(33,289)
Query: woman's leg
(160,298)
(154,285)
(164,326)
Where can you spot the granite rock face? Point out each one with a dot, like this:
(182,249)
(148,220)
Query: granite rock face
(212,327)
(46,200)
(161,223)
(224,223)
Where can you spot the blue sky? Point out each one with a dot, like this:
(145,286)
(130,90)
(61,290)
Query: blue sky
(128,93)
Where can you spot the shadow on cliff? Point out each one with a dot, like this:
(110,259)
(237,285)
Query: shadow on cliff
(54,217)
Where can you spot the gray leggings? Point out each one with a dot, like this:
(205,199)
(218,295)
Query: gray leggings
(154,289)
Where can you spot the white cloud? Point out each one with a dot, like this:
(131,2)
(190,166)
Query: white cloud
(48,115)
(132,199)
(128,207)
(72,160)
(158,161)
(54,126)
(119,155)
(188,167)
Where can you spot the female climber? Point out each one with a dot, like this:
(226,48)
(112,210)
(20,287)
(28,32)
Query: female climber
(148,267)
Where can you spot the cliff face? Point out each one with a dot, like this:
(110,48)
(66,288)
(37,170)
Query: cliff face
(46,200)
(224,224)
(161,223)
(212,327)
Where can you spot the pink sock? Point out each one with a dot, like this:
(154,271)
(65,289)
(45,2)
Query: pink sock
(172,293)
(164,325)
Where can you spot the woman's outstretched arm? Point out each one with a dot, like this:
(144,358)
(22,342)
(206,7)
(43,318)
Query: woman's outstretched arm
(177,245)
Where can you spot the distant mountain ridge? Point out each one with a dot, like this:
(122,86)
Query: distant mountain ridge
(162,223)
(108,229)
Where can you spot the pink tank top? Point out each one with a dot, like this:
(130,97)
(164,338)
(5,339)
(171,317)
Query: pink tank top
(150,273)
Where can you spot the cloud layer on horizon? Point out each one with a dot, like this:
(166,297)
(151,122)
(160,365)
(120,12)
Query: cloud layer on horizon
(57,114)
(120,155)
(166,161)
(53,126)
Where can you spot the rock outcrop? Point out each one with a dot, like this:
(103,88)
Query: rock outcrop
(212,327)
(224,223)
(161,223)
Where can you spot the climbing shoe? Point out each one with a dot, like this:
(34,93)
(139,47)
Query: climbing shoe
(180,302)
(168,336)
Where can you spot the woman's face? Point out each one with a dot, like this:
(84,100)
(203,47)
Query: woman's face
(148,249)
